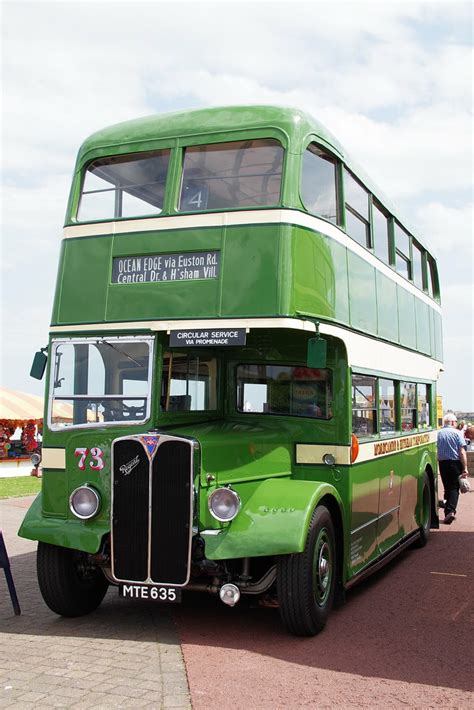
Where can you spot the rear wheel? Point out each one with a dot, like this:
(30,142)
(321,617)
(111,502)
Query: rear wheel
(425,512)
(306,580)
(69,584)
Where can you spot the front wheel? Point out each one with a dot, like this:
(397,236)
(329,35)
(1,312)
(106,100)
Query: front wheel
(69,584)
(306,580)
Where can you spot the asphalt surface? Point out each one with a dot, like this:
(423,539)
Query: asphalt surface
(403,638)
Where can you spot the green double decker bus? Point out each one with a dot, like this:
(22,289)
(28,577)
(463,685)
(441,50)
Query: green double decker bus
(241,371)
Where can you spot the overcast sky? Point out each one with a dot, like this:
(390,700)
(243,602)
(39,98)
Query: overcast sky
(391,80)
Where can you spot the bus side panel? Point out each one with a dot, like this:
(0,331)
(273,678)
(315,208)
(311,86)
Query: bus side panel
(386,496)
(274,519)
(364,494)
(82,293)
(251,271)
(319,275)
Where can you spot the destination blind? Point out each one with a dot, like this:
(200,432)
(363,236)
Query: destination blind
(190,266)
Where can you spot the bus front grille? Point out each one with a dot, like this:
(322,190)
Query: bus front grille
(152,496)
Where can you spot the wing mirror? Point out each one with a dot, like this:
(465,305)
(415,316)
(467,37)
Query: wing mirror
(39,364)
(317,351)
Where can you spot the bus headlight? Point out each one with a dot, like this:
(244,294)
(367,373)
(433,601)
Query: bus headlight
(224,504)
(84,502)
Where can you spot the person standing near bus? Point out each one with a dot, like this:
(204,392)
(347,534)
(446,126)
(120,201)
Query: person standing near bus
(452,462)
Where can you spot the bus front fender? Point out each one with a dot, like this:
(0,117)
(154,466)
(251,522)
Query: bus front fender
(76,534)
(273,520)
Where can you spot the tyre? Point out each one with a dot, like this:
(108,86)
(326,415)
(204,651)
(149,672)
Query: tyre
(69,584)
(425,512)
(306,580)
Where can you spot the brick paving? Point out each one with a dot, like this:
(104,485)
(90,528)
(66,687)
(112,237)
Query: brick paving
(125,654)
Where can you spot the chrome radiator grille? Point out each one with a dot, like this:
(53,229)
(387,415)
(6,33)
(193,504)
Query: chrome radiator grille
(152,496)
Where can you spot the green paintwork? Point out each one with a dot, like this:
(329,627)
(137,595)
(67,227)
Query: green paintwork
(265,270)
(76,534)
(376,488)
(274,519)
(406,318)
(362,294)
(386,308)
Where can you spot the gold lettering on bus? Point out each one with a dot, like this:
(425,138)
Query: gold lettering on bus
(390,447)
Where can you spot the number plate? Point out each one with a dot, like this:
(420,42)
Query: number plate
(150,592)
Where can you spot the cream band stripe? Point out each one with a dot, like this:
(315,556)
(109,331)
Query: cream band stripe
(313,453)
(362,351)
(368,450)
(53,458)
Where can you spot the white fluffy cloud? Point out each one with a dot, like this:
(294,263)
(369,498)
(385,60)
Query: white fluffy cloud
(391,80)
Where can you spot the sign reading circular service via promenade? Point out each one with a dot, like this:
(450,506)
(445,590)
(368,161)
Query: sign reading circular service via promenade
(188,266)
(206,337)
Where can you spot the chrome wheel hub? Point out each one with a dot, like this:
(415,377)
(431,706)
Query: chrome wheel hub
(323,566)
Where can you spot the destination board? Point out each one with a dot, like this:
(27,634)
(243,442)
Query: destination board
(189,266)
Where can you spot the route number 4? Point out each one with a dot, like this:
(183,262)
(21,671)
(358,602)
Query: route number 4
(97,463)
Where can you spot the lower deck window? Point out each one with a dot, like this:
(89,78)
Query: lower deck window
(382,407)
(285,390)
(188,383)
(364,405)
(423,399)
(387,406)
(408,405)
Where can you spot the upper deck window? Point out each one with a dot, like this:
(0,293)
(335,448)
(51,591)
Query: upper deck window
(433,289)
(318,183)
(124,186)
(357,210)
(381,234)
(417,265)
(227,175)
(402,252)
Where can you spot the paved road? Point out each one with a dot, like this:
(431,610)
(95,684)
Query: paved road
(403,638)
(124,655)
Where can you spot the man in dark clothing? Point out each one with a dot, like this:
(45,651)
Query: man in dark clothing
(452,464)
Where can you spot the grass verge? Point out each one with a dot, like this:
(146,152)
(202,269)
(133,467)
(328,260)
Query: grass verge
(19,486)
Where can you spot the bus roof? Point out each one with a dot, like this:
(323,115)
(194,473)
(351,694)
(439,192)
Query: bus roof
(295,124)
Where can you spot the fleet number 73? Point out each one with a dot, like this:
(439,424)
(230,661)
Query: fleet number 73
(97,463)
